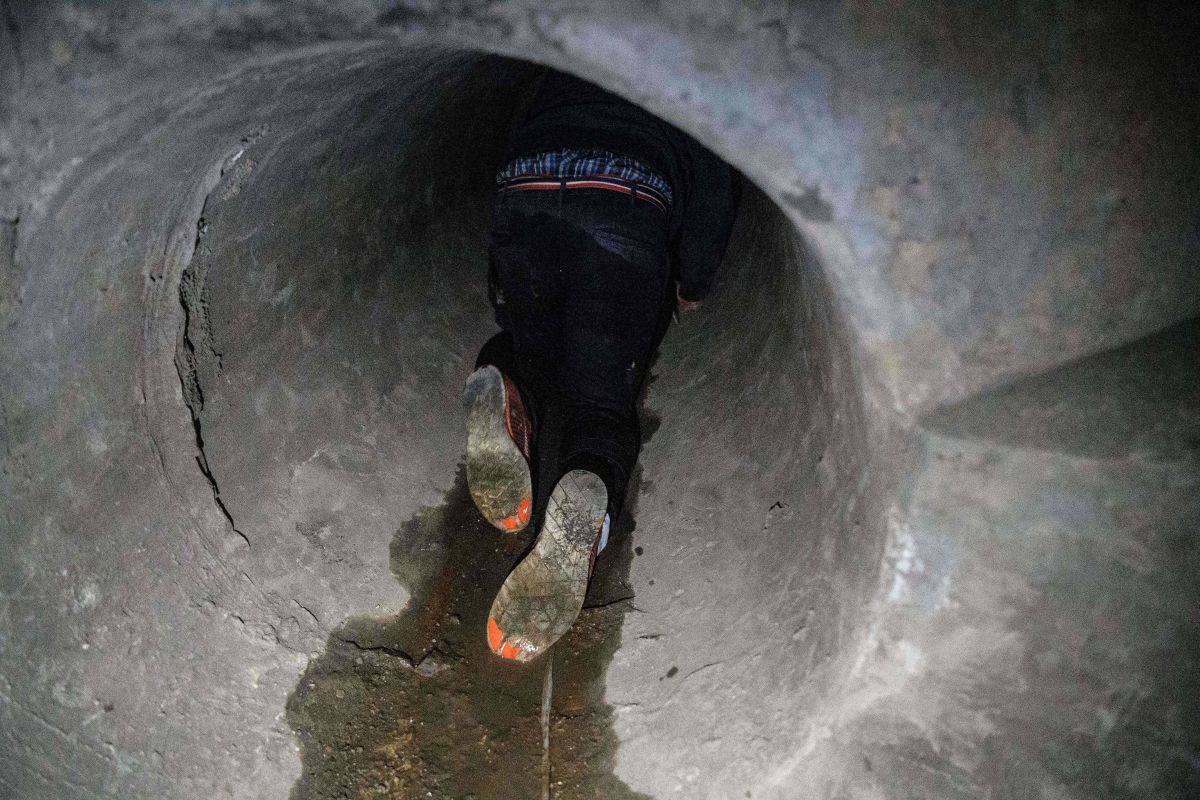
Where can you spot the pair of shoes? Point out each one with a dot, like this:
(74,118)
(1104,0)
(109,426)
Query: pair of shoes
(543,595)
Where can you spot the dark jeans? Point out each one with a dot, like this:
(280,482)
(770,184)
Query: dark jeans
(581,283)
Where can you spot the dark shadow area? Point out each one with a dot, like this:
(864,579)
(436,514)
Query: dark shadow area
(417,706)
(1141,400)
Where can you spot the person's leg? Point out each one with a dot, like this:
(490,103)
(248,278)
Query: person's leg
(579,281)
(619,302)
(526,288)
(615,267)
(499,448)
(513,378)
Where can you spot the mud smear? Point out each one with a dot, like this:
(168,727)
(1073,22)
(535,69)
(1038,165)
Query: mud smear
(418,707)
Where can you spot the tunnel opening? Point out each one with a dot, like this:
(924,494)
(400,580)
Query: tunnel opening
(333,304)
(303,352)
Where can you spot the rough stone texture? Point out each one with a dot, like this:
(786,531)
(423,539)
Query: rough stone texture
(920,519)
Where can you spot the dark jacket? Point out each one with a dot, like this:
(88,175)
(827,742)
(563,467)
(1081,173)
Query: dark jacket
(571,113)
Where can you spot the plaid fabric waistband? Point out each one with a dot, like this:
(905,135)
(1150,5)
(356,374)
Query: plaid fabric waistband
(567,163)
(639,191)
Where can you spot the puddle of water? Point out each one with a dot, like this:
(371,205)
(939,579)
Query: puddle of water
(418,707)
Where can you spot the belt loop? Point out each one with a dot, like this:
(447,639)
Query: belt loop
(562,190)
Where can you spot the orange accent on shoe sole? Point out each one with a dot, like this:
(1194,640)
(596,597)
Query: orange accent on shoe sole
(495,635)
(496,641)
(521,517)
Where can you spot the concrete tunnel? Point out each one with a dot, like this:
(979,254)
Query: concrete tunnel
(917,507)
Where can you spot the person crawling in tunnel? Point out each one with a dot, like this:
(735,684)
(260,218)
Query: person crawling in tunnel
(607,220)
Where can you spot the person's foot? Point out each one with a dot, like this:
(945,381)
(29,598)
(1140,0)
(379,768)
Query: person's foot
(499,436)
(541,598)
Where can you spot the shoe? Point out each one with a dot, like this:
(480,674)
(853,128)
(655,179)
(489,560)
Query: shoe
(542,596)
(499,437)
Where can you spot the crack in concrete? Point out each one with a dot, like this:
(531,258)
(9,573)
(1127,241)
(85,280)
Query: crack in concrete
(431,662)
(164,326)
(197,329)
(193,393)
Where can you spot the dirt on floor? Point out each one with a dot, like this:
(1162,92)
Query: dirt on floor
(418,706)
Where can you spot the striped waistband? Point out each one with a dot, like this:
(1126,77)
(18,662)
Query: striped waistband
(639,191)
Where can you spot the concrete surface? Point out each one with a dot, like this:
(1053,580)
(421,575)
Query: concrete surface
(919,519)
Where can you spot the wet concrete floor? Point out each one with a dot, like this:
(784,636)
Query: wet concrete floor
(418,707)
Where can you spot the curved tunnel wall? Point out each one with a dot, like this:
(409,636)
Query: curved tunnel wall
(298,357)
(1017,577)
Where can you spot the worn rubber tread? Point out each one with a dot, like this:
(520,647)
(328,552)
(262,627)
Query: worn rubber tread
(543,595)
(497,471)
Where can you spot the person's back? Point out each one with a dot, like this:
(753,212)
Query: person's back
(606,219)
(568,113)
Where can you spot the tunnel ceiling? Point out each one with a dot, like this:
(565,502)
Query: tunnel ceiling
(916,514)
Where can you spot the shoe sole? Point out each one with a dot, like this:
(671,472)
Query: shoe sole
(497,472)
(542,596)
